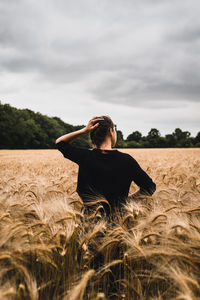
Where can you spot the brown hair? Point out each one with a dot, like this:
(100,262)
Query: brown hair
(98,135)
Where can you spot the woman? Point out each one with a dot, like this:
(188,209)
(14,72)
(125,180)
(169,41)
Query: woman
(103,171)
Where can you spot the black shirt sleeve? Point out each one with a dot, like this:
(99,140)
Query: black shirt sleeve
(142,179)
(75,154)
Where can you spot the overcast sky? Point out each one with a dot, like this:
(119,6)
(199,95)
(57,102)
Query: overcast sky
(137,61)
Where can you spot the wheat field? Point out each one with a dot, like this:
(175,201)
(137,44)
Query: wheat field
(50,250)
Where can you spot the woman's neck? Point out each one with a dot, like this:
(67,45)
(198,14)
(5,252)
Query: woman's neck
(105,146)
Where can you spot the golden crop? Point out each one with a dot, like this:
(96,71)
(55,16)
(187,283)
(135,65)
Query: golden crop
(49,250)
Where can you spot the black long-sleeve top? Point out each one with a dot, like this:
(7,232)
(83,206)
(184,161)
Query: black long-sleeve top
(106,172)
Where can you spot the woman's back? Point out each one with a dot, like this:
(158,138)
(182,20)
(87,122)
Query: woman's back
(105,172)
(108,173)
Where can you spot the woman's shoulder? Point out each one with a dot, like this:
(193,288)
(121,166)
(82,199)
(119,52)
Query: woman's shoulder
(126,157)
(70,151)
(122,153)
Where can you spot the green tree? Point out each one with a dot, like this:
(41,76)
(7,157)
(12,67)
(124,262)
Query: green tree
(170,140)
(134,136)
(133,144)
(197,140)
(153,138)
(120,139)
(182,138)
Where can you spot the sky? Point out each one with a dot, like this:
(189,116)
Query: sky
(137,61)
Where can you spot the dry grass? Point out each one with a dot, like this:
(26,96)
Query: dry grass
(49,250)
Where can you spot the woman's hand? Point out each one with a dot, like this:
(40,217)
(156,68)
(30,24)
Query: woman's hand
(93,123)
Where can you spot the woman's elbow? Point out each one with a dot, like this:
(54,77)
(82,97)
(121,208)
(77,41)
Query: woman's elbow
(153,188)
(150,190)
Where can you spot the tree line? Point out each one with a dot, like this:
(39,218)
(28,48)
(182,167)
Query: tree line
(25,129)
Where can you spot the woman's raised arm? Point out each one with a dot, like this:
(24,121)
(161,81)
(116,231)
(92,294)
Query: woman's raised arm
(69,137)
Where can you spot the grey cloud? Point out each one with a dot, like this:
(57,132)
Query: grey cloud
(189,34)
(123,52)
(148,87)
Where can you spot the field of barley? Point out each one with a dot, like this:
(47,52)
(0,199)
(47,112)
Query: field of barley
(50,251)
